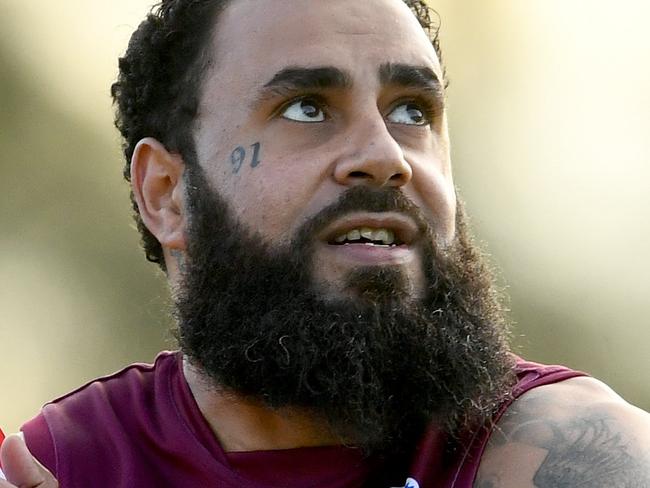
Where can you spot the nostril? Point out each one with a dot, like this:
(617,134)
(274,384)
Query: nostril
(359,174)
(397,177)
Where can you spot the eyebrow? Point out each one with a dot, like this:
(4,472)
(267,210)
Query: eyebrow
(410,76)
(298,78)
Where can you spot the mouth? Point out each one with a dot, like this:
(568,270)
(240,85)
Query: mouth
(387,230)
(369,240)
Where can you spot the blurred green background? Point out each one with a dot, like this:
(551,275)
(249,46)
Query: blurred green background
(550,113)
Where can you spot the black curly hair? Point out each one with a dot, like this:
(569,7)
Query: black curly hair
(158,87)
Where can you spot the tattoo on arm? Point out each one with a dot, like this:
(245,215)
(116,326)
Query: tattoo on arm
(591,451)
(238,157)
(588,452)
(491,482)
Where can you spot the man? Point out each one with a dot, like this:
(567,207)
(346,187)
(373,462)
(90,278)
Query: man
(289,162)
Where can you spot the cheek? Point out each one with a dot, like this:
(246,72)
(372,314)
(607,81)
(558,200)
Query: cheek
(270,177)
(434,187)
(439,198)
(275,197)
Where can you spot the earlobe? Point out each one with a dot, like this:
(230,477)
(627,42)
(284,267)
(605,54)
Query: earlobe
(157,182)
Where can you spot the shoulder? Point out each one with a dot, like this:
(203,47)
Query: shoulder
(119,400)
(574,433)
(131,382)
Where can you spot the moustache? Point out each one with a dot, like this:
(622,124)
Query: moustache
(361,199)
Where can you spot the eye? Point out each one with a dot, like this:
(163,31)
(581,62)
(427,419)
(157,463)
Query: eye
(304,110)
(409,114)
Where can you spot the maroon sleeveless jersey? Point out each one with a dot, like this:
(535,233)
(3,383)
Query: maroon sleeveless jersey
(141,428)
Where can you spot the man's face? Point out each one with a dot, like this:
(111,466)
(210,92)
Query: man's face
(326,269)
(308,99)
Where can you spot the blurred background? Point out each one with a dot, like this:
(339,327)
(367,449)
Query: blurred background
(549,111)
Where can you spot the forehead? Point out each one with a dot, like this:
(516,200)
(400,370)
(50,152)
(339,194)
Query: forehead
(256,38)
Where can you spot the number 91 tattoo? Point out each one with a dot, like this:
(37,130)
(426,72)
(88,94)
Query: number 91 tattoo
(238,157)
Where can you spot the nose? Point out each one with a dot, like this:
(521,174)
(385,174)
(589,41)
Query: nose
(374,158)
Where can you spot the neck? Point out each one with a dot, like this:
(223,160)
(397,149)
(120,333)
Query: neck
(242,424)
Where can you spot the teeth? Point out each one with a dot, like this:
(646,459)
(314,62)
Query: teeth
(354,235)
(380,235)
(368,233)
(385,236)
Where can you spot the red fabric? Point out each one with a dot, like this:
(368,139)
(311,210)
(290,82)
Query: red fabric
(142,428)
(270,468)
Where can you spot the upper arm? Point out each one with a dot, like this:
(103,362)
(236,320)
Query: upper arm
(571,434)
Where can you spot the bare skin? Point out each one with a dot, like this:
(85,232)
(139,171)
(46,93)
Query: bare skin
(243,425)
(278,162)
(277,167)
(21,469)
(577,433)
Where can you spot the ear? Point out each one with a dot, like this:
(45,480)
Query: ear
(158,188)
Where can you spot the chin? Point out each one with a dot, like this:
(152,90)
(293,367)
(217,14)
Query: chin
(372,285)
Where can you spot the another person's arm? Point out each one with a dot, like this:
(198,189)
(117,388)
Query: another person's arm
(21,468)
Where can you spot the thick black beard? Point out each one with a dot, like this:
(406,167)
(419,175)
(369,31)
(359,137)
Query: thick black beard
(378,369)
